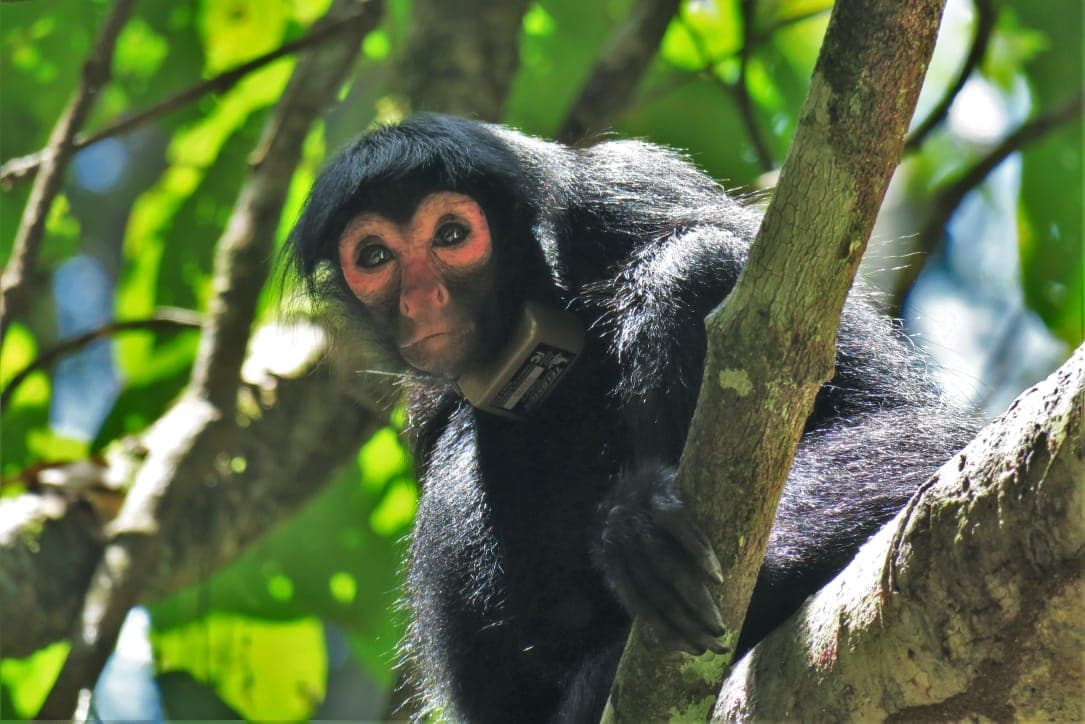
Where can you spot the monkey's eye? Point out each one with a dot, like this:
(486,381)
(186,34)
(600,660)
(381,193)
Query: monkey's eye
(371,256)
(451,234)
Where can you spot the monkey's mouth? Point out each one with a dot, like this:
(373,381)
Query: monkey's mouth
(442,354)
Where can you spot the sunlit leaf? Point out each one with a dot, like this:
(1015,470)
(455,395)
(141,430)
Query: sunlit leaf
(778,13)
(680,48)
(382,459)
(29,680)
(762,85)
(396,510)
(376,45)
(538,22)
(307,11)
(238,30)
(140,50)
(45,444)
(262,669)
(716,28)
(28,410)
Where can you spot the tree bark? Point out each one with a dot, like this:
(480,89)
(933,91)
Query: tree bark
(461,56)
(967,606)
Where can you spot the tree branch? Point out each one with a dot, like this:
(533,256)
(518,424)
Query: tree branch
(966,606)
(15,282)
(461,55)
(742,90)
(164,319)
(181,460)
(771,345)
(243,253)
(296,425)
(17,169)
(613,81)
(981,36)
(949,197)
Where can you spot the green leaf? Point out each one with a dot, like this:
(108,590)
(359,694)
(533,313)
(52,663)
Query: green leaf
(1011,47)
(555,65)
(157,382)
(264,670)
(28,411)
(681,49)
(45,444)
(140,50)
(27,681)
(238,30)
(538,22)
(376,45)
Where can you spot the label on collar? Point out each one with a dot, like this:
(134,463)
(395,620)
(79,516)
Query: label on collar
(542,348)
(531,384)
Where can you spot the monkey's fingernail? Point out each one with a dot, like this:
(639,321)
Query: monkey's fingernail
(718,628)
(715,570)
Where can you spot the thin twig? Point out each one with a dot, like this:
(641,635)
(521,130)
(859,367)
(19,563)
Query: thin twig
(19,168)
(742,90)
(15,282)
(684,78)
(951,196)
(615,77)
(164,319)
(779,24)
(981,37)
(739,91)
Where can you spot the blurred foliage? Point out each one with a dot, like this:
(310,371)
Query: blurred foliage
(152,212)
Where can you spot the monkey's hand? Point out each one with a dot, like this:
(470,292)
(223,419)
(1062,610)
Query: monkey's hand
(658,562)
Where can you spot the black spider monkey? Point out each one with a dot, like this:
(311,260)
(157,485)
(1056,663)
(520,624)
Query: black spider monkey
(554,300)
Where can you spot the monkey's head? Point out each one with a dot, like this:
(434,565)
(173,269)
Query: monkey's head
(424,230)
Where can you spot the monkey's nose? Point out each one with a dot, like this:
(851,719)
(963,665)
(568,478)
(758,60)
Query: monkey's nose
(422,301)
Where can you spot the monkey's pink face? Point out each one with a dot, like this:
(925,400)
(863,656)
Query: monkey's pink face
(410,275)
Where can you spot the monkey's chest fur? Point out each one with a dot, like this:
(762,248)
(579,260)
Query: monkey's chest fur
(501,584)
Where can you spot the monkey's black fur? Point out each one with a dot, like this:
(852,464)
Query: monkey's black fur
(535,539)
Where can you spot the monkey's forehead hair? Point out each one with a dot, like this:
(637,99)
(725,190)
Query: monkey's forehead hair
(389,170)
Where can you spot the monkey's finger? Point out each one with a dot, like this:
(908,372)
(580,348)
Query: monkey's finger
(671,614)
(680,526)
(673,565)
(634,595)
